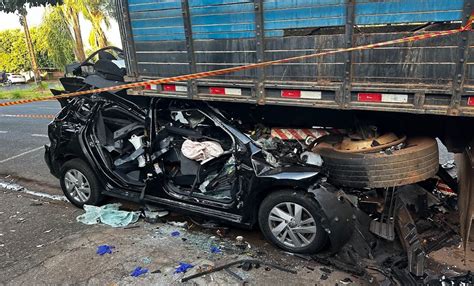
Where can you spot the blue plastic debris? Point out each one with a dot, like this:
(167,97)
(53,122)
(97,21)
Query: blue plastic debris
(215,250)
(183,267)
(175,233)
(139,271)
(104,249)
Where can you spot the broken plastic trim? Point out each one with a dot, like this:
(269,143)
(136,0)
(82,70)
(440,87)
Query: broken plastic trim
(336,214)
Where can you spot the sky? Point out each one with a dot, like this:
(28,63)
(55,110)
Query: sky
(35,15)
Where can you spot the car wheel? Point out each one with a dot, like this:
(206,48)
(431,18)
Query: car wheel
(416,162)
(79,183)
(290,220)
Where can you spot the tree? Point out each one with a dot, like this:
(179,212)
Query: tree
(110,8)
(13,51)
(56,38)
(71,10)
(19,7)
(95,12)
(53,48)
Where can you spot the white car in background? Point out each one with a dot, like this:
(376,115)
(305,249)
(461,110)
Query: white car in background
(15,78)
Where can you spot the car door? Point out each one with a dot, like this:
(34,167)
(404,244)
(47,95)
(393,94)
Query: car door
(107,139)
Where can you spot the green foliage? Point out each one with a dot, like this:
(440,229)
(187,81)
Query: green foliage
(13,51)
(52,41)
(16,94)
(109,7)
(19,6)
(56,37)
(95,12)
(42,86)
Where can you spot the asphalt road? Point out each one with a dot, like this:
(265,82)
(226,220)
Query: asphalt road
(22,140)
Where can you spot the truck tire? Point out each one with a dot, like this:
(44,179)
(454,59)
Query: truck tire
(291,221)
(418,161)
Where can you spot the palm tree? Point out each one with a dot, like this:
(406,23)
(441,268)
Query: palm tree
(58,40)
(95,12)
(71,10)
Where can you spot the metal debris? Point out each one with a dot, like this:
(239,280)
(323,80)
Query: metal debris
(237,262)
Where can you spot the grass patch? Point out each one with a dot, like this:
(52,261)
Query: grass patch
(34,91)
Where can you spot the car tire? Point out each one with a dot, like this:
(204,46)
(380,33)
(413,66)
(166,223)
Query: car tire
(417,161)
(281,230)
(79,183)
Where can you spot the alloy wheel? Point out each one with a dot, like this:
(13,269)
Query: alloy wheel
(77,185)
(292,224)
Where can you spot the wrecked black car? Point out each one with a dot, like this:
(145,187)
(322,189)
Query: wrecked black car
(187,156)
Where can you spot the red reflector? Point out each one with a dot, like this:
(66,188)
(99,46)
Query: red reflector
(369,97)
(217,90)
(291,93)
(148,86)
(470,100)
(169,87)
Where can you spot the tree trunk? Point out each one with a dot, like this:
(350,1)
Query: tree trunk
(31,49)
(76,27)
(102,39)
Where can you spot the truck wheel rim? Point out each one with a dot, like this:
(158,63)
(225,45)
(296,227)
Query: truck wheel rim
(292,225)
(77,185)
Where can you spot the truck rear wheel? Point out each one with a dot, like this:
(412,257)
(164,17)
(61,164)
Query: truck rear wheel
(416,162)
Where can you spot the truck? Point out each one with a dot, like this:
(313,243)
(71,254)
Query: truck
(422,87)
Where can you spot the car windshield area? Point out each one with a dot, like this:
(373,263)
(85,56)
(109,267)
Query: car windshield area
(194,155)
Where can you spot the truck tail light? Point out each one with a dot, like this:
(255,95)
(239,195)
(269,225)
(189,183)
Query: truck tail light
(174,87)
(369,97)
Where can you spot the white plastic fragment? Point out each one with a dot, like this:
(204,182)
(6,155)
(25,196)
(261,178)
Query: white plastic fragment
(137,142)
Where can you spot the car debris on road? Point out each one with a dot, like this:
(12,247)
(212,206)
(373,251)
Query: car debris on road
(138,271)
(104,249)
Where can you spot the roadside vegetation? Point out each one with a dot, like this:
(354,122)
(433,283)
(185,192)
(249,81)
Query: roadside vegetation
(58,40)
(34,91)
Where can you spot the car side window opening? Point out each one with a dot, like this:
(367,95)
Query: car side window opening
(194,154)
(121,138)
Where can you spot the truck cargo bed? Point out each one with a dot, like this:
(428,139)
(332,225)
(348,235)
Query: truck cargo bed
(435,76)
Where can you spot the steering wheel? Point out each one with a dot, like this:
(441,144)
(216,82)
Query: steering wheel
(87,62)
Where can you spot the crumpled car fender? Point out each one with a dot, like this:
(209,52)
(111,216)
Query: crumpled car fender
(337,214)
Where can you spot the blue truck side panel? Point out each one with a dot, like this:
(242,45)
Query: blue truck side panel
(158,20)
